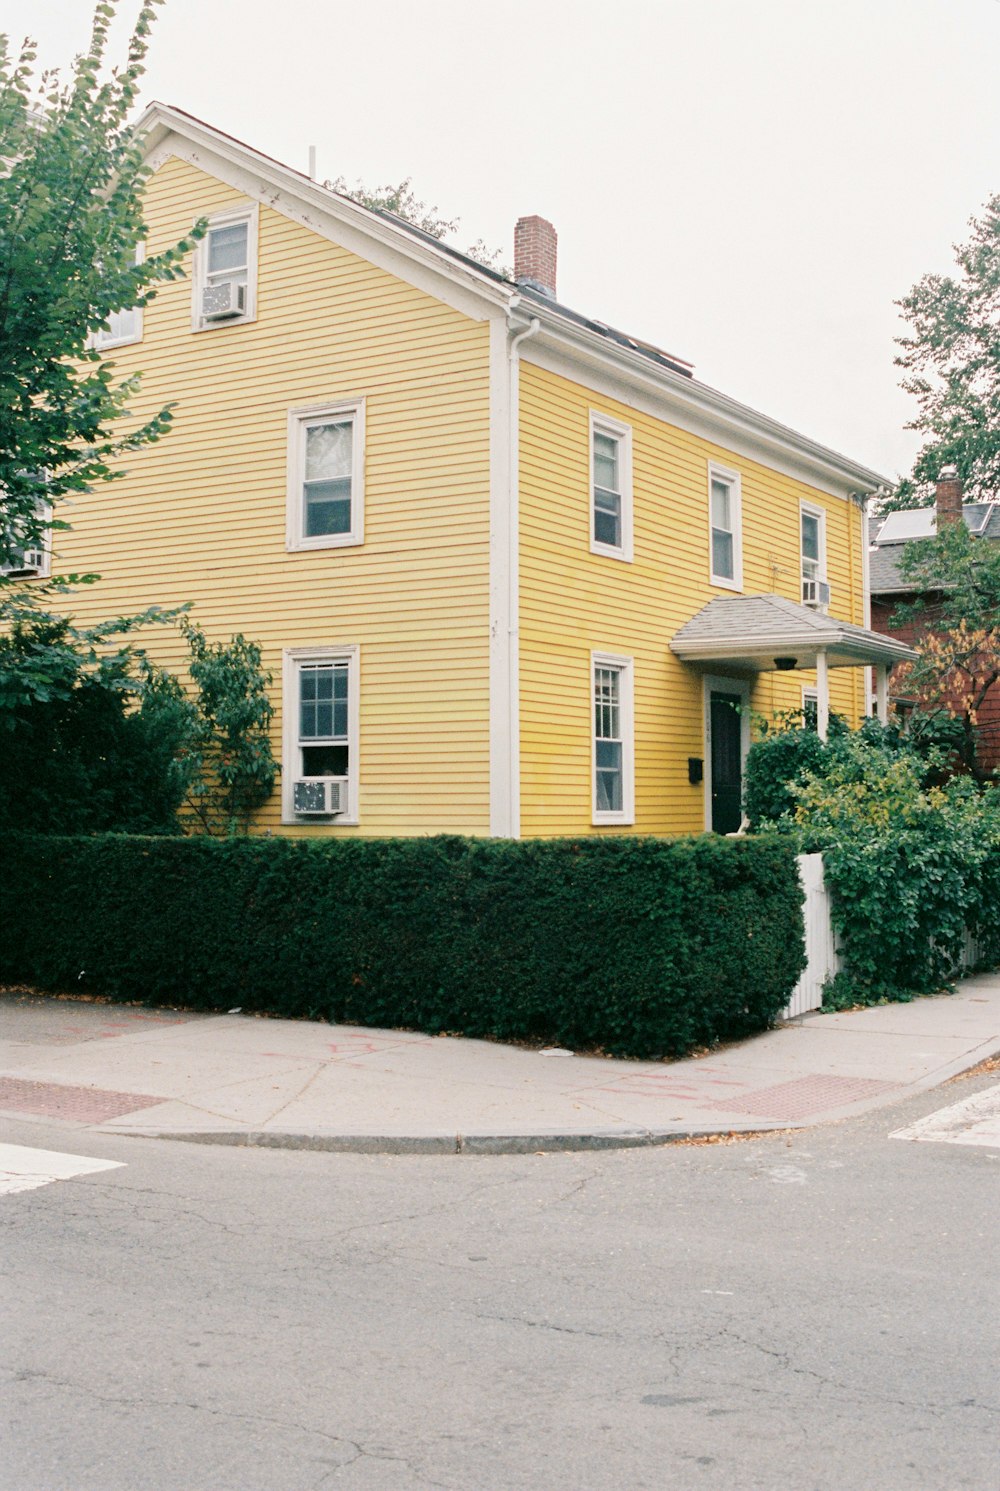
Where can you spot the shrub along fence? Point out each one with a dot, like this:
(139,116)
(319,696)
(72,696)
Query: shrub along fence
(639,947)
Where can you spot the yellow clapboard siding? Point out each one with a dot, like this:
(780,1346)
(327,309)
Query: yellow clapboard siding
(200,516)
(574,602)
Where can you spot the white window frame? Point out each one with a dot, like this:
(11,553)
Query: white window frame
(813,511)
(603,424)
(293,659)
(299,421)
(105,341)
(226,219)
(625,667)
(731,479)
(44,548)
(810,695)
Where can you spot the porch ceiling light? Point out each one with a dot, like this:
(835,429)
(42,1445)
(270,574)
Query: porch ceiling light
(785,664)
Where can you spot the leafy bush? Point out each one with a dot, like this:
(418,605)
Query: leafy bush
(775,762)
(641,947)
(76,754)
(911,866)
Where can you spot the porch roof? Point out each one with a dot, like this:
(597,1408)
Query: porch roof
(749,633)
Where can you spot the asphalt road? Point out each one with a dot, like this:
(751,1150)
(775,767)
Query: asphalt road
(816,1310)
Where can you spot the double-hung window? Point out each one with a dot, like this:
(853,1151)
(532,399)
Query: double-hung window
(725,528)
(320,768)
(122,327)
(613,793)
(326,476)
(611,487)
(813,543)
(22,556)
(225,279)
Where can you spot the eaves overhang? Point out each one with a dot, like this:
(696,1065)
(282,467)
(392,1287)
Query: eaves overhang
(766,633)
(689,395)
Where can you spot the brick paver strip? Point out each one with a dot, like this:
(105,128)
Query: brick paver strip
(803,1096)
(82,1104)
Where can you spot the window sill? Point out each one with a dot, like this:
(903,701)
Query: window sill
(612,820)
(221,325)
(625,555)
(327,541)
(724,584)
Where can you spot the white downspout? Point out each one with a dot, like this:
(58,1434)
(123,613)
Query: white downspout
(866,590)
(513,690)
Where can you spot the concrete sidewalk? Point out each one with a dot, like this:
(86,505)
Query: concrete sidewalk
(236,1079)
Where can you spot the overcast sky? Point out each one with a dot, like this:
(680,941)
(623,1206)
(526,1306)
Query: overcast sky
(749,185)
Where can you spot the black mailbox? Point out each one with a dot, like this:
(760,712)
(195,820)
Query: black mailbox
(696,770)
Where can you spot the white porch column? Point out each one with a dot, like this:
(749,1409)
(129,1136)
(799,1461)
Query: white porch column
(882,692)
(823,695)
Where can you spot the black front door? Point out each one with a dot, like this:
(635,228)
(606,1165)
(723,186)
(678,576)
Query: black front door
(726,758)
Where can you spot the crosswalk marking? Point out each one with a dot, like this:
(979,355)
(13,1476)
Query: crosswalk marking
(23,1169)
(975,1120)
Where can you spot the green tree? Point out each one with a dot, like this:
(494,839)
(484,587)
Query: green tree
(958,628)
(93,738)
(70,223)
(232,766)
(951,359)
(402,201)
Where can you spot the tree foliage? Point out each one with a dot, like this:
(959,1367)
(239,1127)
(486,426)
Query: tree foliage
(402,201)
(911,855)
(951,359)
(958,627)
(232,769)
(92,736)
(70,222)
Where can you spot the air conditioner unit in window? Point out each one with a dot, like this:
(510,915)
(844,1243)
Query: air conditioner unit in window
(227,298)
(31,562)
(319,798)
(816,593)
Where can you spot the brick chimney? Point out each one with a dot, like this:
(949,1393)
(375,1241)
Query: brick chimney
(535,255)
(948,497)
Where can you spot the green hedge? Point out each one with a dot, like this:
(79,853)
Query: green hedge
(638,946)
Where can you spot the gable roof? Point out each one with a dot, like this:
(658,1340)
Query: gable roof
(982,518)
(637,364)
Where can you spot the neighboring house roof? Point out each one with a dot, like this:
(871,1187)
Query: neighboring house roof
(752,631)
(981,518)
(642,364)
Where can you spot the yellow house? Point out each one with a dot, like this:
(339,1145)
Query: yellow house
(511,570)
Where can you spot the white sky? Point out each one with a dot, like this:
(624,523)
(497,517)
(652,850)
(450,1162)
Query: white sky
(750,185)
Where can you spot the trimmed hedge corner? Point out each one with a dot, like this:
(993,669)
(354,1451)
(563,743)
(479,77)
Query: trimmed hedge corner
(642,947)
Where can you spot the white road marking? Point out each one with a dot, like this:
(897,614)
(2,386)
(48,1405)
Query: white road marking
(975,1120)
(22,1169)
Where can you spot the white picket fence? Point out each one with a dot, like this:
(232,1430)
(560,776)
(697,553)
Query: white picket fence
(822,957)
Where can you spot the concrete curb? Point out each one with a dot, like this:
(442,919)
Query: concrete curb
(440,1144)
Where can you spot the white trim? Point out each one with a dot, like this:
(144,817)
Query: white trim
(603,424)
(601,818)
(605,366)
(325,213)
(813,510)
(823,691)
(866,594)
(227,217)
(104,344)
(720,684)
(730,479)
(292,657)
(505,774)
(810,695)
(299,420)
(685,404)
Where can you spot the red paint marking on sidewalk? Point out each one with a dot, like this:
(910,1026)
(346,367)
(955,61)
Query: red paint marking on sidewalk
(81,1104)
(804,1096)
